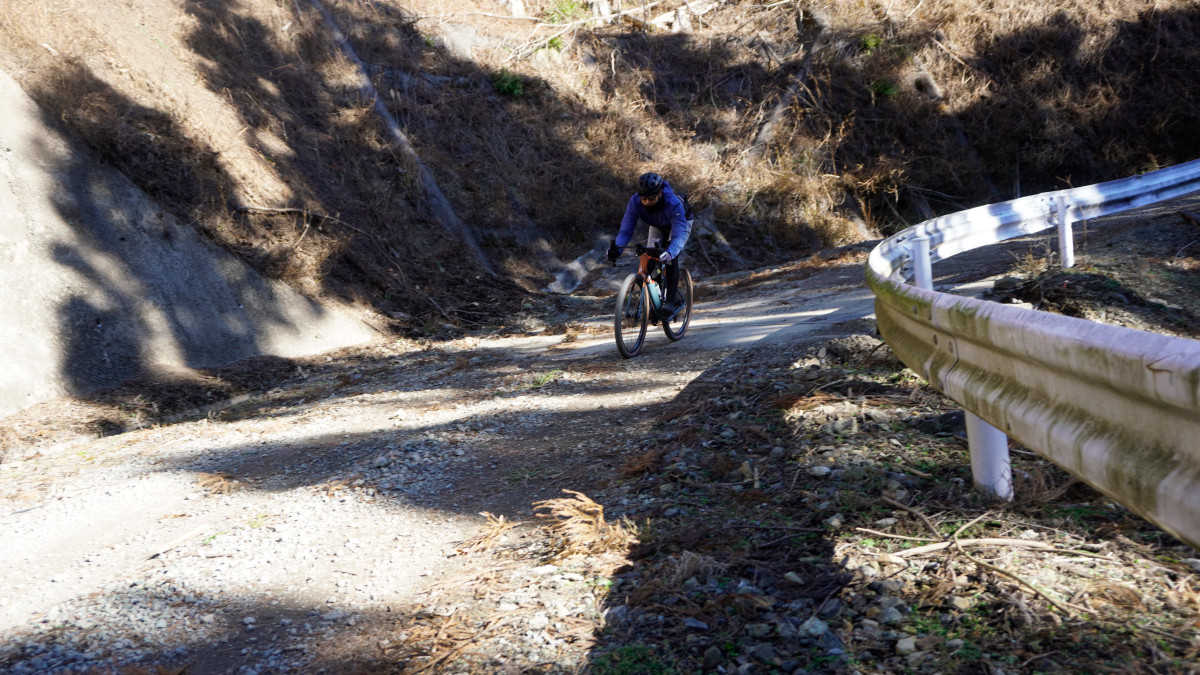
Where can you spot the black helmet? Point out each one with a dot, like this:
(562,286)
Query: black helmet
(649,184)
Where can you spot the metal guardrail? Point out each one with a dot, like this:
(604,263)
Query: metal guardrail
(1118,408)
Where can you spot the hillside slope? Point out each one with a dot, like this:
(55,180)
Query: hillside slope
(794,125)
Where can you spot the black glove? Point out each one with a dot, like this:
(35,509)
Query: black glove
(613,251)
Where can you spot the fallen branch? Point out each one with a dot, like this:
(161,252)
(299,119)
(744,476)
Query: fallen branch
(916,513)
(777,527)
(892,536)
(1058,605)
(446,17)
(439,204)
(1019,543)
(306,212)
(915,472)
(813,41)
(667,17)
(530,47)
(976,519)
(627,15)
(175,542)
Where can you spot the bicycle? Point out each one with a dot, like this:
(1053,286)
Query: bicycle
(640,303)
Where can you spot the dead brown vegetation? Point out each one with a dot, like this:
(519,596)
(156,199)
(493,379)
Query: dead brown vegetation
(489,535)
(887,114)
(577,526)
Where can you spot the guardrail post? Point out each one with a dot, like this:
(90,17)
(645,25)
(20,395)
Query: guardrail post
(922,268)
(990,464)
(1066,239)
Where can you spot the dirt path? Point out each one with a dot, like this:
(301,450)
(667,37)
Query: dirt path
(258,537)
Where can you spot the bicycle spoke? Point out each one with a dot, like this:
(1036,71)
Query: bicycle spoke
(678,325)
(631,317)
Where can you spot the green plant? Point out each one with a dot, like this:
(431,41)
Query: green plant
(970,651)
(869,43)
(545,378)
(631,660)
(884,88)
(508,84)
(555,43)
(524,474)
(564,11)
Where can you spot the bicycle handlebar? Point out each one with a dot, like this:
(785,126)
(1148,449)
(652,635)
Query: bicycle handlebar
(639,249)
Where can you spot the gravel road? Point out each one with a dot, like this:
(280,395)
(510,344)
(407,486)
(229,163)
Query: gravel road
(265,536)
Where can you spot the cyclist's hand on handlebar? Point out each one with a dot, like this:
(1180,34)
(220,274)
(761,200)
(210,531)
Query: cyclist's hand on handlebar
(664,258)
(613,252)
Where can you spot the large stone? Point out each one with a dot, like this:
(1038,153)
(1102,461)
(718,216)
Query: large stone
(957,602)
(890,616)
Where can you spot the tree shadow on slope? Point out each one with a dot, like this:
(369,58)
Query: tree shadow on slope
(890,115)
(1065,114)
(341,159)
(353,193)
(138,289)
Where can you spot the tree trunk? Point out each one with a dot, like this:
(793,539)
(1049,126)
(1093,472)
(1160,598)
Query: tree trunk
(811,28)
(439,205)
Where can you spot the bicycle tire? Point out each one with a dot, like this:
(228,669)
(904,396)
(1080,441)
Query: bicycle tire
(631,317)
(684,316)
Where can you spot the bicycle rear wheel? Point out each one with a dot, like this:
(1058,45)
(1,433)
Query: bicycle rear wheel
(675,328)
(633,312)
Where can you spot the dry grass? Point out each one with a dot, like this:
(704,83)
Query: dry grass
(912,108)
(1036,484)
(491,534)
(689,564)
(577,526)
(220,483)
(637,465)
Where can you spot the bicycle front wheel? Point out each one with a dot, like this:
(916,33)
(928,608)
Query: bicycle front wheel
(676,327)
(633,312)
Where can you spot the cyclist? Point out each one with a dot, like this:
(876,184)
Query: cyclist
(669,218)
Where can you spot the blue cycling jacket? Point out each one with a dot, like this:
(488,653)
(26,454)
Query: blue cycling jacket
(670,219)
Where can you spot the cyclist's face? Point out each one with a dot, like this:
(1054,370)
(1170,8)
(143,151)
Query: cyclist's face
(652,199)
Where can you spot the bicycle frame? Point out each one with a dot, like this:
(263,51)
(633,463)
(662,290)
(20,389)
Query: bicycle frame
(644,277)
